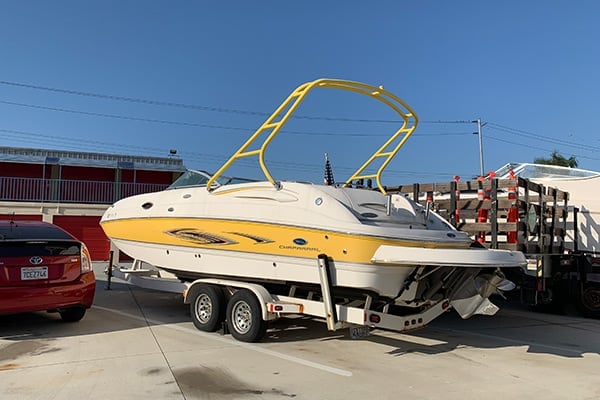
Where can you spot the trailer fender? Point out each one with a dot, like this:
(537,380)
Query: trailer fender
(259,291)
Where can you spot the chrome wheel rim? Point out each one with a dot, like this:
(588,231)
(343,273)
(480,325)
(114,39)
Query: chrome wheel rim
(242,317)
(203,308)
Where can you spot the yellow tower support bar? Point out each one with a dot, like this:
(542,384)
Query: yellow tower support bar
(271,127)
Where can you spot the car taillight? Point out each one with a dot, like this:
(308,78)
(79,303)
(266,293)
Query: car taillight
(86,261)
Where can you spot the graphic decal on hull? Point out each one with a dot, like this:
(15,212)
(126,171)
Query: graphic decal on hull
(200,237)
(257,239)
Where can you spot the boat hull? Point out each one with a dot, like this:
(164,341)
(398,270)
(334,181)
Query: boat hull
(385,280)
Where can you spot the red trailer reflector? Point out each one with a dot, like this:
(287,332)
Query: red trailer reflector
(374,318)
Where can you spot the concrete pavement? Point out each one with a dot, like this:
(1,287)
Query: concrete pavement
(141,344)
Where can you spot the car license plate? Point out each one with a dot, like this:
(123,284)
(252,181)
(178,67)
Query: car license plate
(358,332)
(32,273)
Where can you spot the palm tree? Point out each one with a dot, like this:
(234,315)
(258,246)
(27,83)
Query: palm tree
(558,159)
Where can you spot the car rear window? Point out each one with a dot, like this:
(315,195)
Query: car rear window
(25,231)
(39,248)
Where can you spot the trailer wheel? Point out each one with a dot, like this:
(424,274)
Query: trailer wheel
(589,301)
(244,317)
(207,307)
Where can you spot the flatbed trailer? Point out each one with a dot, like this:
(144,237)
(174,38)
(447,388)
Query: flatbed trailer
(519,214)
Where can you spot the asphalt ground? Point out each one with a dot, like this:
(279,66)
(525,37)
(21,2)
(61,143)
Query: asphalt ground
(141,344)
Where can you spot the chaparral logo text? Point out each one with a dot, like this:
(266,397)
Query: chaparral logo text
(284,247)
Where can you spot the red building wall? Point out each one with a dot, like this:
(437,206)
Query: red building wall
(87,173)
(20,217)
(86,228)
(165,177)
(21,170)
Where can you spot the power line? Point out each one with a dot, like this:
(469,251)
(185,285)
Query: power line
(35,137)
(537,148)
(95,114)
(197,125)
(131,99)
(491,125)
(561,142)
(203,108)
(69,143)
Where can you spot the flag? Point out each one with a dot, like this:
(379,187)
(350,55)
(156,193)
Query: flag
(328,172)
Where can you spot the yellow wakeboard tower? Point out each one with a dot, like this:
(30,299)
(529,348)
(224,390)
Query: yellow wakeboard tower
(272,126)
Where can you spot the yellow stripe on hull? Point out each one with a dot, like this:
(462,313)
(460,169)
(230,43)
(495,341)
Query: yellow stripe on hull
(254,237)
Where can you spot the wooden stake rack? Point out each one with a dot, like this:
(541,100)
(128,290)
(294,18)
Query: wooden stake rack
(513,214)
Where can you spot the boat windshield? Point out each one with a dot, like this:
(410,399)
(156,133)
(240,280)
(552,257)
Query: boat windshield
(201,178)
(542,171)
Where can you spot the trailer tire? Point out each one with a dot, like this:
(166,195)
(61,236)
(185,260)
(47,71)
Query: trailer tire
(589,300)
(207,308)
(244,317)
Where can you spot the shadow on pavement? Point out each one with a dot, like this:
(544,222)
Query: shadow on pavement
(539,333)
(127,307)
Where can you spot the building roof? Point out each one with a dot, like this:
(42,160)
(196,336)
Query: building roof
(84,159)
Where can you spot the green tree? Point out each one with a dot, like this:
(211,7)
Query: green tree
(557,159)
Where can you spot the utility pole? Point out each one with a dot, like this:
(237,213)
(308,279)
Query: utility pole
(479,126)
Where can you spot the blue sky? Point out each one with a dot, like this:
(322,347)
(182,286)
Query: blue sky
(528,69)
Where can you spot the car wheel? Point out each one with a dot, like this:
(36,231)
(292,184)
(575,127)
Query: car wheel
(72,314)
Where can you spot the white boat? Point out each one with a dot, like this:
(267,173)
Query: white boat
(384,246)
(583,187)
